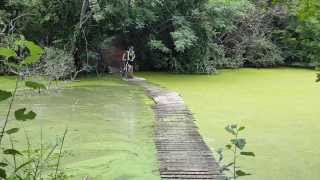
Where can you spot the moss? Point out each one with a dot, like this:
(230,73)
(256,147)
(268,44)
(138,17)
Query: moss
(110,127)
(279,107)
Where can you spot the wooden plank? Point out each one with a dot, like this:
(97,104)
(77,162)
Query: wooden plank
(182,152)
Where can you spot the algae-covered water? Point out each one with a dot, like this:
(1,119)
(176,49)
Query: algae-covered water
(279,107)
(110,127)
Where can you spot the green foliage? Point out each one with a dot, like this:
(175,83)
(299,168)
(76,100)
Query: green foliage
(21,56)
(4,95)
(235,147)
(36,162)
(34,51)
(34,85)
(262,52)
(12,131)
(158,45)
(21,115)
(195,36)
(297,32)
(7,53)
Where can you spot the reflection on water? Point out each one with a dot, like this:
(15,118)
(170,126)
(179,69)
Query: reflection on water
(110,129)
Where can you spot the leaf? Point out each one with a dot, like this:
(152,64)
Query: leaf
(234,126)
(23,165)
(2,164)
(228,165)
(239,143)
(7,53)
(247,154)
(11,152)
(228,146)
(4,95)
(35,85)
(35,51)
(241,128)
(230,130)
(12,131)
(3,174)
(20,115)
(242,173)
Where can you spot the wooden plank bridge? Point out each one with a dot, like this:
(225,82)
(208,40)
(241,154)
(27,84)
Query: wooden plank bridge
(181,151)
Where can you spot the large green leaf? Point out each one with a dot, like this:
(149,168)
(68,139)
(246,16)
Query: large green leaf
(7,53)
(247,154)
(35,51)
(21,115)
(4,95)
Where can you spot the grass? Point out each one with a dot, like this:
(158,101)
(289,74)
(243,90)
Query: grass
(110,127)
(279,107)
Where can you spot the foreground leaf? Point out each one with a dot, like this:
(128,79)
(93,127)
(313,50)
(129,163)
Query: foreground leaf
(226,167)
(228,146)
(241,128)
(12,131)
(240,143)
(2,164)
(7,53)
(247,154)
(20,115)
(4,95)
(11,152)
(230,130)
(35,51)
(242,173)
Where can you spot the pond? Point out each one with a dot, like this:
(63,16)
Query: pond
(110,126)
(279,107)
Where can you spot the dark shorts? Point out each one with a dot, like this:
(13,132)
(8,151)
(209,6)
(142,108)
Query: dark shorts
(131,63)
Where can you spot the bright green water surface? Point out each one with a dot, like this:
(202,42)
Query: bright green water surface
(110,127)
(279,107)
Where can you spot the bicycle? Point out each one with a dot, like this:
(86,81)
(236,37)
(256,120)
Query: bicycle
(124,69)
(127,63)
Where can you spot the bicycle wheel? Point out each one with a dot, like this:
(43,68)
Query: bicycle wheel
(124,70)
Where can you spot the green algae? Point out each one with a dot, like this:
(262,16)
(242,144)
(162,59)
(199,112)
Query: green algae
(110,127)
(279,107)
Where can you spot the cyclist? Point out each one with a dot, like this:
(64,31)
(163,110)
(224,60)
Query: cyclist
(128,61)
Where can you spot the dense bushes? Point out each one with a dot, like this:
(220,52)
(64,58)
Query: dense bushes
(195,36)
(297,32)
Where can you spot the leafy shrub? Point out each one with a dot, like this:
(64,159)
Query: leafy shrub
(262,52)
(236,148)
(296,32)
